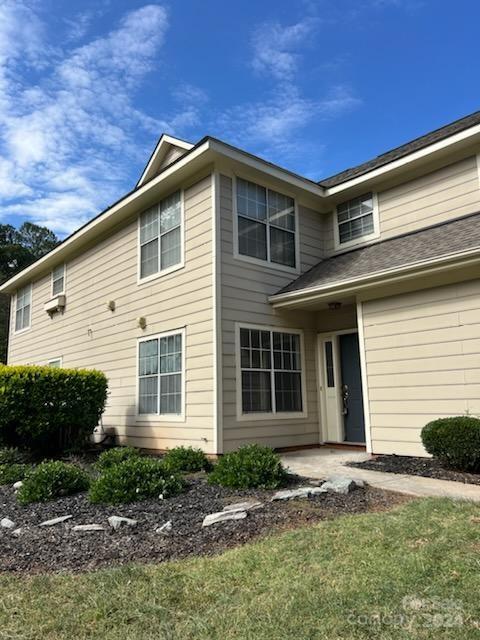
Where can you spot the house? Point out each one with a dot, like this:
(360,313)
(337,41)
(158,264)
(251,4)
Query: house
(230,301)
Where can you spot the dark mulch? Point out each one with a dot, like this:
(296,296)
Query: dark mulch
(426,467)
(57,548)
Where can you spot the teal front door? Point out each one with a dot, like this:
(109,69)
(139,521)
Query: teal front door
(352,396)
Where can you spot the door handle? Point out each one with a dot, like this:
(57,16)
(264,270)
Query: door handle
(345,395)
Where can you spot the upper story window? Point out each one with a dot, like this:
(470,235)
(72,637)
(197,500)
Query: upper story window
(266,224)
(356,219)
(23,308)
(161,237)
(58,280)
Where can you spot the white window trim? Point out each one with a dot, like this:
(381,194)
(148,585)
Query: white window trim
(62,292)
(265,263)
(174,267)
(161,417)
(59,359)
(14,318)
(272,415)
(363,239)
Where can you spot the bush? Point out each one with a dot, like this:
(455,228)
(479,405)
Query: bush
(51,480)
(49,410)
(186,459)
(455,442)
(112,457)
(137,478)
(11,473)
(252,466)
(12,455)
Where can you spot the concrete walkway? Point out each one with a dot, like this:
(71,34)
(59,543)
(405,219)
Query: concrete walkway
(323,462)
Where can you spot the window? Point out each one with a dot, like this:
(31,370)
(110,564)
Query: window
(160,373)
(266,224)
(271,371)
(23,308)
(161,236)
(56,363)
(58,280)
(329,364)
(356,219)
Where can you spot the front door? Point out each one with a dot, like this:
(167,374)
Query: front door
(351,390)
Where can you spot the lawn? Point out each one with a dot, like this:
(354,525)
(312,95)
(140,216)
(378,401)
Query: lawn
(395,574)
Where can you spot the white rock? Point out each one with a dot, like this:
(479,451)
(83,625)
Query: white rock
(17,485)
(222,516)
(6,523)
(243,506)
(300,492)
(17,532)
(88,527)
(116,522)
(50,523)
(340,484)
(165,528)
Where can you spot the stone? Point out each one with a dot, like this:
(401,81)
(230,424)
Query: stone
(17,485)
(340,484)
(88,527)
(117,521)
(243,506)
(50,523)
(165,528)
(17,532)
(300,492)
(222,516)
(6,523)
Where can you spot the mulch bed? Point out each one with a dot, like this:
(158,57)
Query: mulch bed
(58,548)
(410,465)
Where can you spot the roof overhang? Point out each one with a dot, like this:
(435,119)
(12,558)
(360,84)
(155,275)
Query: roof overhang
(165,143)
(361,284)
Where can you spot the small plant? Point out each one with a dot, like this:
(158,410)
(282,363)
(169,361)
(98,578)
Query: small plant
(11,473)
(12,455)
(455,442)
(51,480)
(136,478)
(112,457)
(186,459)
(252,466)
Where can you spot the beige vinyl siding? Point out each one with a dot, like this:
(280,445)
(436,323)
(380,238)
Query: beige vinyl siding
(172,154)
(89,335)
(445,194)
(245,288)
(423,362)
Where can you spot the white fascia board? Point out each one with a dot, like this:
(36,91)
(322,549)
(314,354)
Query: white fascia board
(165,140)
(406,160)
(353,285)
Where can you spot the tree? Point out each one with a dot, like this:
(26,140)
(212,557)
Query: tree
(18,249)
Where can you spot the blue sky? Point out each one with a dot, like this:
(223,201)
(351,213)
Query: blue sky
(88,86)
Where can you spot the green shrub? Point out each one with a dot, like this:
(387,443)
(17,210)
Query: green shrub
(186,459)
(252,466)
(12,455)
(134,479)
(48,410)
(111,457)
(11,473)
(455,442)
(51,480)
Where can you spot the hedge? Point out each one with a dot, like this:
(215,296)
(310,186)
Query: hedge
(48,410)
(455,442)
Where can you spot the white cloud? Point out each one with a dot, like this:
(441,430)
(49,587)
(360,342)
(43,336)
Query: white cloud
(274,47)
(57,138)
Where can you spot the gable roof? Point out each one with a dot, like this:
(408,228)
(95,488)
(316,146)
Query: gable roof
(163,146)
(405,149)
(414,248)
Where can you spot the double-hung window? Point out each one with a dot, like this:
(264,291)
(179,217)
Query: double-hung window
(23,308)
(161,236)
(271,371)
(356,219)
(161,375)
(58,280)
(266,224)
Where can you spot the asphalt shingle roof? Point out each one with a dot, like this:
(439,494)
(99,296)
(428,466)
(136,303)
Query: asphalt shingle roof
(399,152)
(432,242)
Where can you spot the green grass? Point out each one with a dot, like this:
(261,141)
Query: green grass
(307,584)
